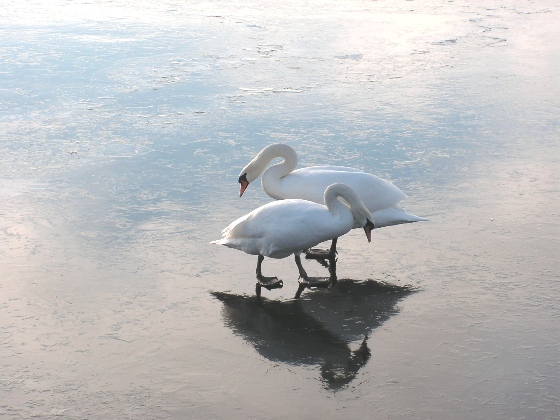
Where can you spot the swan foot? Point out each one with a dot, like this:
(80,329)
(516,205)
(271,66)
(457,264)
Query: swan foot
(318,254)
(329,263)
(268,283)
(307,282)
(322,255)
(312,282)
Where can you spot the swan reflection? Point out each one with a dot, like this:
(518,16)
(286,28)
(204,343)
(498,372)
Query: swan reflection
(329,330)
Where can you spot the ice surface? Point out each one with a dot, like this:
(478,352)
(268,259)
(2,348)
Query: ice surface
(123,127)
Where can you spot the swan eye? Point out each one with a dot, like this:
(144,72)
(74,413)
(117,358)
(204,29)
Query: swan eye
(243,178)
(370,224)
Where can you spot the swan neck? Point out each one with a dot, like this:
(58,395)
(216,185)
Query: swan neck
(333,203)
(335,192)
(268,154)
(258,165)
(272,178)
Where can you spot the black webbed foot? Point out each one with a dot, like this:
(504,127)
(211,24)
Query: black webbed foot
(319,254)
(322,256)
(325,257)
(312,282)
(268,283)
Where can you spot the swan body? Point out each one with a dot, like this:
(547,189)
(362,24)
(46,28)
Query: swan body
(285,227)
(281,228)
(283,181)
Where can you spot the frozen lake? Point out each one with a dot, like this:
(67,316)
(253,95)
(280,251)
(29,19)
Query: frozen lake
(123,128)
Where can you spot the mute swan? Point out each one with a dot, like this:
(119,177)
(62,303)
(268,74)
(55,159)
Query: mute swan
(281,228)
(282,181)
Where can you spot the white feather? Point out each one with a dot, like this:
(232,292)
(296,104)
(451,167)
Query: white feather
(283,181)
(281,228)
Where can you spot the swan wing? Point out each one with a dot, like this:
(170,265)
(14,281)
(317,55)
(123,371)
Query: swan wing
(301,225)
(310,184)
(330,168)
(280,228)
(394,216)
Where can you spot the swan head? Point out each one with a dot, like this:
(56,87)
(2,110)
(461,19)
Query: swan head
(257,166)
(362,216)
(249,173)
(363,219)
(368,228)
(244,183)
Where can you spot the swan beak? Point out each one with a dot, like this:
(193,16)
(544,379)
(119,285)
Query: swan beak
(244,183)
(243,187)
(368,228)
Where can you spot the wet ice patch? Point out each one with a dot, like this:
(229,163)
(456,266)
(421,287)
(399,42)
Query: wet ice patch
(268,49)
(349,56)
(265,91)
(448,41)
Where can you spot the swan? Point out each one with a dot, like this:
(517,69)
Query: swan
(285,227)
(283,181)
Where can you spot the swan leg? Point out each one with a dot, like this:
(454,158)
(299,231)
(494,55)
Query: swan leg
(332,271)
(266,282)
(327,258)
(306,281)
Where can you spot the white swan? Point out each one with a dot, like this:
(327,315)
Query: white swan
(281,228)
(282,181)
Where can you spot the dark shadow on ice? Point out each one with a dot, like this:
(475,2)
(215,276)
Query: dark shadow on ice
(328,329)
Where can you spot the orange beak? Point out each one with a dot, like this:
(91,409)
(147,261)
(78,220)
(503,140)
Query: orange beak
(242,187)
(367,229)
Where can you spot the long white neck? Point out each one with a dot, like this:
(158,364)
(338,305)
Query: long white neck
(271,178)
(269,153)
(337,207)
(258,165)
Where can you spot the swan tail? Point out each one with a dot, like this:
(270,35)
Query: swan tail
(238,244)
(227,242)
(394,216)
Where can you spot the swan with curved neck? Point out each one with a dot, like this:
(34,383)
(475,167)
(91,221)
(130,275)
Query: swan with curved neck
(285,227)
(282,181)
